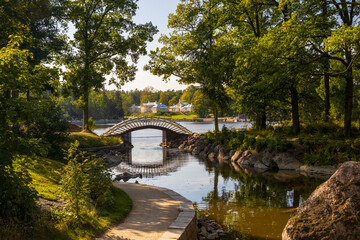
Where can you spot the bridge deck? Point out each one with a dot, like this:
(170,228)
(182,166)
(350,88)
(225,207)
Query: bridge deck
(133,124)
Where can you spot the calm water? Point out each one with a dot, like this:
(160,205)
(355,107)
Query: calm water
(250,204)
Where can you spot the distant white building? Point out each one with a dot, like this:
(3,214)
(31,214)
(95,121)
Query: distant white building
(153,107)
(135,109)
(188,108)
(182,107)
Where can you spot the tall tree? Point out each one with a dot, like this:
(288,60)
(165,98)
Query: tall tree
(197,51)
(343,46)
(252,20)
(104,38)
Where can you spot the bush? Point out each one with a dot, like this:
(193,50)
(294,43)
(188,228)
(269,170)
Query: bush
(84,181)
(100,179)
(91,124)
(48,125)
(320,150)
(277,143)
(75,186)
(321,128)
(17,198)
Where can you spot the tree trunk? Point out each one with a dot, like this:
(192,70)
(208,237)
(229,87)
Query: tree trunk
(348,104)
(295,110)
(349,92)
(14,94)
(326,70)
(86,113)
(263,120)
(327,90)
(216,120)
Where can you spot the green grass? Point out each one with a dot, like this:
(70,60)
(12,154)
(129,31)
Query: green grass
(46,175)
(121,206)
(87,140)
(322,143)
(96,222)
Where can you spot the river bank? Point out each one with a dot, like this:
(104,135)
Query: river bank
(291,159)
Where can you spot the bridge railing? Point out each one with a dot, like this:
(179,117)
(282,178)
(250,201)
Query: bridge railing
(134,123)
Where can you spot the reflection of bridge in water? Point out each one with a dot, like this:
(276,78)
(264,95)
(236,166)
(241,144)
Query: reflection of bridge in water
(149,170)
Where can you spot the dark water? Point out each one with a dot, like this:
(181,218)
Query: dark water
(250,204)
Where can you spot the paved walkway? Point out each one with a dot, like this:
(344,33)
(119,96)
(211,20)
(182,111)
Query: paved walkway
(152,213)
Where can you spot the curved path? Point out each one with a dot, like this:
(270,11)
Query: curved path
(153,213)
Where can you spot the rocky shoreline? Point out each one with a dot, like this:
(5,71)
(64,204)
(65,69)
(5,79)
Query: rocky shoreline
(111,154)
(197,144)
(331,212)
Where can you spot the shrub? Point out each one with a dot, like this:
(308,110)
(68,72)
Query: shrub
(17,198)
(75,186)
(91,124)
(84,181)
(100,181)
(48,125)
(277,143)
(260,143)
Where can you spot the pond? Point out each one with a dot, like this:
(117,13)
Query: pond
(249,204)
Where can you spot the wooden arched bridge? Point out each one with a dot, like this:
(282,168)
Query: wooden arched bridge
(171,129)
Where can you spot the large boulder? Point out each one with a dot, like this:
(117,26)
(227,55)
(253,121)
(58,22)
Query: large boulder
(236,156)
(333,209)
(222,153)
(286,161)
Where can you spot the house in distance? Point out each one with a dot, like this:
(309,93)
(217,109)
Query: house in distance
(182,107)
(155,107)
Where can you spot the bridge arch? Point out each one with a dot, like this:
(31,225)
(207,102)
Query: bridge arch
(171,129)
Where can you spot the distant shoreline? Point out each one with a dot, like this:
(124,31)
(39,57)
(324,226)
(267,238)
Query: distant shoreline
(221,120)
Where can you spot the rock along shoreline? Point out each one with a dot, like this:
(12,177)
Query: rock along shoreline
(291,159)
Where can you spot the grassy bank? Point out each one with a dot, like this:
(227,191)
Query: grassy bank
(322,143)
(87,139)
(46,175)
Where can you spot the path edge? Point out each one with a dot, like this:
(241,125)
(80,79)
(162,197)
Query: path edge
(185,226)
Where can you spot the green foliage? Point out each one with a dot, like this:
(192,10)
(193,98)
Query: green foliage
(242,140)
(277,143)
(48,124)
(322,150)
(17,198)
(85,181)
(46,175)
(88,140)
(321,128)
(100,181)
(91,124)
(75,186)
(205,55)
(102,42)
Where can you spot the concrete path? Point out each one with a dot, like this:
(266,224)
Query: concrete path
(152,213)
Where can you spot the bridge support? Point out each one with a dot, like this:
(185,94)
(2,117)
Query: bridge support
(126,137)
(171,137)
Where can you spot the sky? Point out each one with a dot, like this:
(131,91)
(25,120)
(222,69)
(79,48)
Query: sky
(155,11)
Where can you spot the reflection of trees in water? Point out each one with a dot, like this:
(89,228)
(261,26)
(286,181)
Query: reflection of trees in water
(257,205)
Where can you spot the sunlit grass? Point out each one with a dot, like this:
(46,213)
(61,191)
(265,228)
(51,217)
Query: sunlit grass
(87,139)
(46,177)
